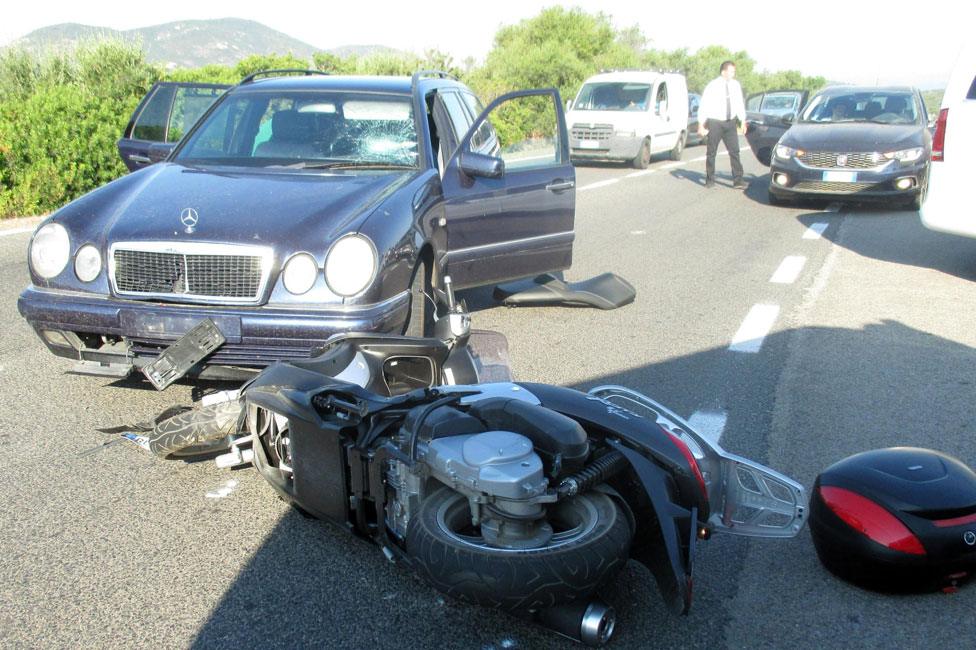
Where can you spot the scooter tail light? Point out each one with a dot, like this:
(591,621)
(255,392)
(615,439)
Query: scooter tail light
(871,520)
(690,457)
(938,140)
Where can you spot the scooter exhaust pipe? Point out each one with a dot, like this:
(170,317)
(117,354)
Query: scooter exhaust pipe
(589,622)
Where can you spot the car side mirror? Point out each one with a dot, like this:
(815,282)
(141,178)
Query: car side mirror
(476,164)
(569,105)
(160,150)
(789,118)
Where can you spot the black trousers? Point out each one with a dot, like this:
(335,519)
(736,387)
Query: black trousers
(725,131)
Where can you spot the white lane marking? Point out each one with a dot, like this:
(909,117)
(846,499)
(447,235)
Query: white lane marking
(699,159)
(638,232)
(223,491)
(15,231)
(643,172)
(789,270)
(754,328)
(710,424)
(815,231)
(833,207)
(593,186)
(672,165)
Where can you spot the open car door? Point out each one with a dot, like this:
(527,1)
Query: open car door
(510,192)
(768,115)
(167,111)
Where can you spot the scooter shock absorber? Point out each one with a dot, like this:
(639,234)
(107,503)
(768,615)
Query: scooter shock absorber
(603,468)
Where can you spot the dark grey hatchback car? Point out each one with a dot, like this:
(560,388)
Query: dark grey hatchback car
(298,207)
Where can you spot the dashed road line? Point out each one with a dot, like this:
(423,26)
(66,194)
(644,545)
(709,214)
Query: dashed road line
(815,230)
(15,231)
(789,270)
(709,423)
(638,232)
(759,321)
(593,186)
(643,172)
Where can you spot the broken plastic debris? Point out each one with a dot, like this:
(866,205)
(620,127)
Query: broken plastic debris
(223,491)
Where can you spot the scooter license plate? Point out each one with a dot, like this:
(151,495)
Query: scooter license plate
(840,177)
(176,360)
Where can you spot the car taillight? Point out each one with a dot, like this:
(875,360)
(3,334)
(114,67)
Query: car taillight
(938,141)
(870,519)
(690,457)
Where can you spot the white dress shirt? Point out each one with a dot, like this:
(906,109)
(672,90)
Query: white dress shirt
(713,105)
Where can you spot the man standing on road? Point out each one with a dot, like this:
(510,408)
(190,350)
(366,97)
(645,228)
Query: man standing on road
(722,115)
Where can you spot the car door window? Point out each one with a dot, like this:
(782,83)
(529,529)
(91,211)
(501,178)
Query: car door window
(151,121)
(189,104)
(780,104)
(523,131)
(459,117)
(661,101)
(754,102)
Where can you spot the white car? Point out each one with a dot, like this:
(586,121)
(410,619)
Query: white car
(627,116)
(948,206)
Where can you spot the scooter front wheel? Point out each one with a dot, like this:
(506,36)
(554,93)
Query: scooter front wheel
(198,433)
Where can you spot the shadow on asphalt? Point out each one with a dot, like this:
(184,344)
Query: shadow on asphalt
(311,584)
(899,237)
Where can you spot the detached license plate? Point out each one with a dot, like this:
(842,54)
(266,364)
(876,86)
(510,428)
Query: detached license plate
(176,360)
(589,144)
(840,177)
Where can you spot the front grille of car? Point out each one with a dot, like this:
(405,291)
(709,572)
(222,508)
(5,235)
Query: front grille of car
(592,131)
(833,188)
(191,272)
(835,160)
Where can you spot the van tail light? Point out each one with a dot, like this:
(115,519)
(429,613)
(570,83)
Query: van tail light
(871,520)
(938,141)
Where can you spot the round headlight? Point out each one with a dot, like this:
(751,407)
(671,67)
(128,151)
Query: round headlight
(300,273)
(50,250)
(88,263)
(350,265)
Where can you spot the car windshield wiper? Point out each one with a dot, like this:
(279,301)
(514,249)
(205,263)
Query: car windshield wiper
(358,164)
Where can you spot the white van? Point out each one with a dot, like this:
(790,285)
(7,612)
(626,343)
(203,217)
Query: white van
(948,205)
(628,116)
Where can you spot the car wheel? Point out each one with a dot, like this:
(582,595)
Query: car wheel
(643,158)
(421,321)
(679,147)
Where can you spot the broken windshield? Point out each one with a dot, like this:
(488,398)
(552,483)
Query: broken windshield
(306,130)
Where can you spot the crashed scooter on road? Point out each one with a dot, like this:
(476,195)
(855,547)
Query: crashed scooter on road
(521,497)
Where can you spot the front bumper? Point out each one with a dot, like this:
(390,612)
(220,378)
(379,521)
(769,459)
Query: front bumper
(614,148)
(878,184)
(101,329)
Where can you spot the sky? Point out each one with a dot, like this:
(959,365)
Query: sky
(882,41)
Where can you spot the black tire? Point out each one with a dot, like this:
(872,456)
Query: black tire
(421,322)
(679,147)
(568,568)
(198,433)
(643,158)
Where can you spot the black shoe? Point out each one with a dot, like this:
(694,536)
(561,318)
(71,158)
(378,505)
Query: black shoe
(740,185)
(709,184)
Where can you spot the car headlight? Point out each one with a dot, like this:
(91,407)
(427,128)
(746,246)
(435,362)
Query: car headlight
(905,155)
(50,250)
(784,152)
(88,263)
(300,273)
(350,265)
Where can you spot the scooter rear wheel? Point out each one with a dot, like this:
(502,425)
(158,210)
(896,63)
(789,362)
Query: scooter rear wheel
(590,545)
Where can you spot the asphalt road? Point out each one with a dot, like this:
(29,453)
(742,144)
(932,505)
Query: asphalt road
(870,344)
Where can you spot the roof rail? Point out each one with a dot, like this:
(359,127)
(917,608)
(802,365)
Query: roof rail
(425,74)
(260,73)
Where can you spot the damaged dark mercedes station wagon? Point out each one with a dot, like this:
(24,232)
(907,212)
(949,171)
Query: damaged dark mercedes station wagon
(296,208)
